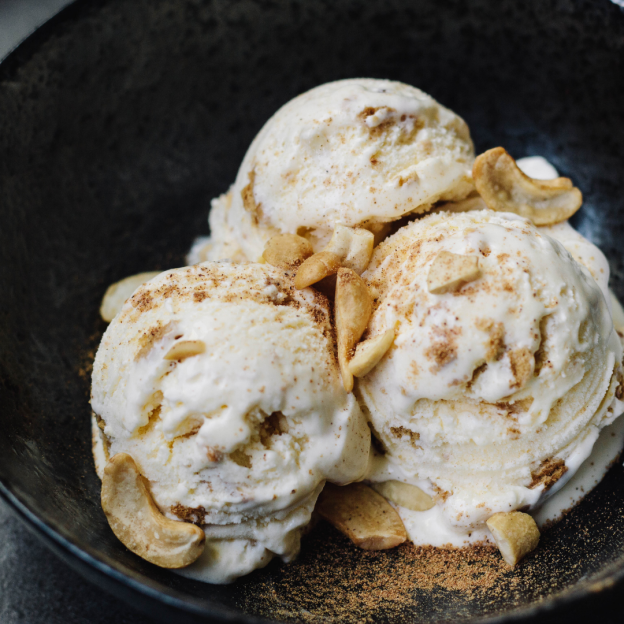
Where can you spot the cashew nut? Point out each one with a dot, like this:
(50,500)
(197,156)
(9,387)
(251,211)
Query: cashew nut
(117,293)
(362,515)
(185,349)
(504,188)
(354,247)
(315,268)
(351,248)
(405,495)
(354,305)
(138,523)
(287,251)
(369,352)
(515,533)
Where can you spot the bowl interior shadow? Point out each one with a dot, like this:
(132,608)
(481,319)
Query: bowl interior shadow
(122,119)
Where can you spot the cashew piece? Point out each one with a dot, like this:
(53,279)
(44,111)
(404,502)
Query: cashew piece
(450,271)
(515,533)
(405,495)
(504,188)
(287,251)
(369,352)
(363,515)
(315,268)
(470,203)
(185,349)
(351,248)
(119,292)
(354,305)
(138,523)
(354,247)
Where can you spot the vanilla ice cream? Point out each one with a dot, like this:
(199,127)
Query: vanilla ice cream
(221,382)
(493,393)
(356,152)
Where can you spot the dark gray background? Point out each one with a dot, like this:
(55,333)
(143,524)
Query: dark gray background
(35,586)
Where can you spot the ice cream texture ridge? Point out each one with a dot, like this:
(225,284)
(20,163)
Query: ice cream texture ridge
(375,309)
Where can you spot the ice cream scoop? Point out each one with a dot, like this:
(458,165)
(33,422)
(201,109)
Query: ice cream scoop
(221,382)
(504,368)
(358,152)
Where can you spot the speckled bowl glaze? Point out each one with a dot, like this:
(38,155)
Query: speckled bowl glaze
(120,119)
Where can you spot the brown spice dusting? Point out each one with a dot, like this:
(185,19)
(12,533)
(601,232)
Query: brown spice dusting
(619,389)
(440,494)
(549,472)
(142,300)
(150,337)
(86,365)
(443,349)
(200,294)
(517,407)
(413,436)
(541,355)
(496,341)
(521,366)
(394,584)
(414,369)
(189,514)
(334,581)
(247,195)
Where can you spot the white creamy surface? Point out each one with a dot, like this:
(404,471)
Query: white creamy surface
(223,561)
(242,436)
(222,243)
(584,252)
(537,167)
(357,151)
(479,434)
(432,527)
(605,451)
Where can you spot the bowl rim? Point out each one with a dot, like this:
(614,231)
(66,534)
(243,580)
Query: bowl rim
(122,582)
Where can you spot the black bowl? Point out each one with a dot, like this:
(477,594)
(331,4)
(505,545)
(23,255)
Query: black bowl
(120,119)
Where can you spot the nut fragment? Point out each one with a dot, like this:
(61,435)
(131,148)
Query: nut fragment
(349,247)
(449,271)
(368,353)
(353,309)
(185,349)
(504,187)
(117,293)
(362,515)
(380,231)
(287,251)
(354,247)
(315,268)
(405,495)
(139,524)
(473,202)
(515,534)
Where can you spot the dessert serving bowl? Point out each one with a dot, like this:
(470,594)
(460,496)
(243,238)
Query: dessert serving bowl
(121,119)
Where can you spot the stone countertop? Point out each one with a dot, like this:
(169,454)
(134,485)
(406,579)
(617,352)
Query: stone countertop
(19,18)
(38,588)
